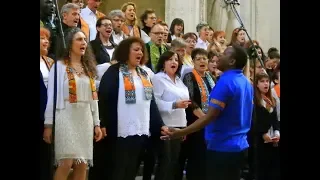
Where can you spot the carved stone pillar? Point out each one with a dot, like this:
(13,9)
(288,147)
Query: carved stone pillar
(262,20)
(191,11)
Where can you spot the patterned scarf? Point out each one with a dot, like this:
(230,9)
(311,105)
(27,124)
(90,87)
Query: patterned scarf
(204,92)
(155,54)
(73,86)
(126,30)
(49,62)
(130,92)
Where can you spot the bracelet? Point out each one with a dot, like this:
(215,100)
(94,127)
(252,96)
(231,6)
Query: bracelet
(174,105)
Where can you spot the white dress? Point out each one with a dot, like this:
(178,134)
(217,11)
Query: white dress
(74,126)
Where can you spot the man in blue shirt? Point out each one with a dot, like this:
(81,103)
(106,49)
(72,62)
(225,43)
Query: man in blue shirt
(228,119)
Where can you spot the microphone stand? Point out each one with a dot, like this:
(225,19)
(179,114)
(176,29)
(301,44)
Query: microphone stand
(60,31)
(232,4)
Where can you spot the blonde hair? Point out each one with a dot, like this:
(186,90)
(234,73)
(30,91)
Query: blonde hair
(124,8)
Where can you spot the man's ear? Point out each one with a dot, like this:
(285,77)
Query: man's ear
(232,62)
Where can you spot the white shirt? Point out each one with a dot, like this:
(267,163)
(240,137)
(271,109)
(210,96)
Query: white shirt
(202,44)
(117,38)
(133,119)
(167,92)
(91,19)
(45,72)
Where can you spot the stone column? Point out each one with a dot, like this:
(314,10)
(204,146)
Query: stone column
(191,11)
(262,20)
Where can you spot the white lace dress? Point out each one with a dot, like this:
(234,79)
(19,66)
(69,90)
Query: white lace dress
(74,127)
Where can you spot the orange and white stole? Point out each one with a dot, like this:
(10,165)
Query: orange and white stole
(130,91)
(204,91)
(73,85)
(126,30)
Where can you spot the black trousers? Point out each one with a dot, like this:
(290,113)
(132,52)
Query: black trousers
(225,165)
(196,156)
(150,155)
(46,164)
(101,169)
(268,162)
(126,154)
(168,160)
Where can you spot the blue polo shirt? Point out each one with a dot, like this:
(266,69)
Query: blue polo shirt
(233,95)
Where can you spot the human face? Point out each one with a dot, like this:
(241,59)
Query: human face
(241,37)
(136,54)
(151,20)
(130,13)
(47,7)
(180,51)
(71,18)
(156,34)
(263,85)
(259,68)
(166,32)
(105,28)
(204,32)
(210,36)
(44,44)
(93,5)
(117,22)
(171,65)
(212,65)
(79,44)
(200,63)
(78,2)
(178,28)
(221,39)
(225,60)
(190,45)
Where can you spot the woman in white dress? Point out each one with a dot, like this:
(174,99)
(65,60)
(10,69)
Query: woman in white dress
(76,109)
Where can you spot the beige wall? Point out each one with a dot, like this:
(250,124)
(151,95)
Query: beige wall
(108,5)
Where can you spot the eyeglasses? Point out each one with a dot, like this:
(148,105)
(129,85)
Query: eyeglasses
(118,20)
(191,41)
(158,33)
(106,25)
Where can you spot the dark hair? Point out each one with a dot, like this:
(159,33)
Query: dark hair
(198,51)
(190,35)
(240,55)
(144,16)
(252,54)
(258,96)
(164,58)
(273,53)
(122,55)
(176,21)
(212,54)
(88,59)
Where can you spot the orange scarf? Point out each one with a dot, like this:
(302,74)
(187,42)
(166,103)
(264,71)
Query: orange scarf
(277,89)
(73,86)
(126,31)
(204,91)
(130,91)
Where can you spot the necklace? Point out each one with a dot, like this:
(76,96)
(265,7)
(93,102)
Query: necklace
(79,70)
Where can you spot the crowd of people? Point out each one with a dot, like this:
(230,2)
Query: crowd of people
(182,103)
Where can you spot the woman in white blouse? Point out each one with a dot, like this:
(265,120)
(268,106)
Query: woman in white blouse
(172,97)
(77,116)
(128,110)
(45,61)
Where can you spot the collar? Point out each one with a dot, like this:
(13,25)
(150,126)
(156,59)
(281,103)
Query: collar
(165,75)
(231,71)
(88,11)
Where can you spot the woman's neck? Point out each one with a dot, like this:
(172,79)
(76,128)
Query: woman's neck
(75,59)
(172,77)
(105,40)
(129,22)
(201,73)
(41,58)
(204,39)
(131,67)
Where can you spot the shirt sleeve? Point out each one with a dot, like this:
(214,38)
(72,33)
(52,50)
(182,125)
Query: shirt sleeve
(220,95)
